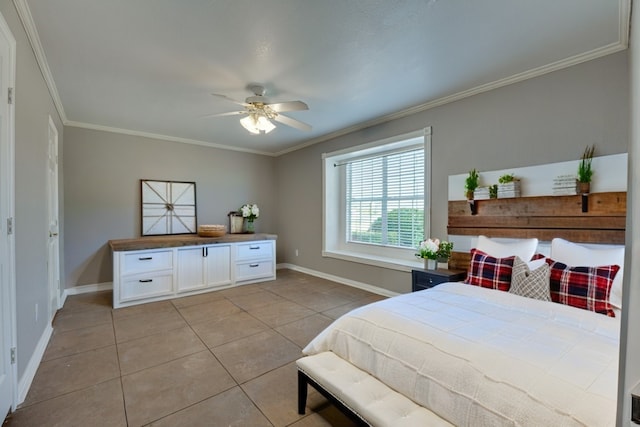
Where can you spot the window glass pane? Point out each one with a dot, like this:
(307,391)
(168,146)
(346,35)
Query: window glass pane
(385,199)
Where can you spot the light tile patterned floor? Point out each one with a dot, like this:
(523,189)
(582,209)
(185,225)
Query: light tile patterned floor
(224,358)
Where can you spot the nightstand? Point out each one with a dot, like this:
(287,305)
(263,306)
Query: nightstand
(425,279)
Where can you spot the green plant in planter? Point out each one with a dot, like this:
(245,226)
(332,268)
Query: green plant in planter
(471,183)
(493,191)
(584,167)
(506,178)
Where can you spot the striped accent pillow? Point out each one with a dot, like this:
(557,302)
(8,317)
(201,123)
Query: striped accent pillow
(489,272)
(531,284)
(587,288)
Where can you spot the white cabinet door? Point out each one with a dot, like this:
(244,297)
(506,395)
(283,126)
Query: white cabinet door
(191,269)
(218,262)
(201,267)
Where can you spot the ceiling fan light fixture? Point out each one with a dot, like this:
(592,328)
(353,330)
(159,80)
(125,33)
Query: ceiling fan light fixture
(257,124)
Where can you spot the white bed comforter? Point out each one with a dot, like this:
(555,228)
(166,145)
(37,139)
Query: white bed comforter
(485,358)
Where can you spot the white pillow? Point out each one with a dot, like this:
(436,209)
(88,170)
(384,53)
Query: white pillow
(575,255)
(536,263)
(524,248)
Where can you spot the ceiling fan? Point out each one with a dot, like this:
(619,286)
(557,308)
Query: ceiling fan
(260,112)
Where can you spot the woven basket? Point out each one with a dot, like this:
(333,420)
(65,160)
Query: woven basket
(212,230)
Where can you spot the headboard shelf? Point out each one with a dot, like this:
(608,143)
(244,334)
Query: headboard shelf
(544,217)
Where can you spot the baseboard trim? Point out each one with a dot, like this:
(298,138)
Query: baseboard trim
(32,367)
(344,281)
(85,289)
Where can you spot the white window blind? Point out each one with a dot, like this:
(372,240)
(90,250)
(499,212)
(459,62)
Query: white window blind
(385,199)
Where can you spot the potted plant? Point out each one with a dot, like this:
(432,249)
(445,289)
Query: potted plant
(506,178)
(585,172)
(434,251)
(508,186)
(444,253)
(493,191)
(471,183)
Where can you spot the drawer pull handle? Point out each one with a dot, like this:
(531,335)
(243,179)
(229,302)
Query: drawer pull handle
(254,265)
(254,247)
(146,258)
(145,280)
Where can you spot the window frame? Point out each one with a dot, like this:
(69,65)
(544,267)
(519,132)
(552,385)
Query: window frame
(334,228)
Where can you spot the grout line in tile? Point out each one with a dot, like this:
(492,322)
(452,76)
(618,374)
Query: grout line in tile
(235,382)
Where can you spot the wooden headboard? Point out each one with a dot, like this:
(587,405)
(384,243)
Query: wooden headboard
(599,218)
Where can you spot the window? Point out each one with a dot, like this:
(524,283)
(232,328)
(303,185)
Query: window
(375,203)
(385,199)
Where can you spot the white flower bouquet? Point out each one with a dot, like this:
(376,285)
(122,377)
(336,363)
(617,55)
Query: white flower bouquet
(250,211)
(434,249)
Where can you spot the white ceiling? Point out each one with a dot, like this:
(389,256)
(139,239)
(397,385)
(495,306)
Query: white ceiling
(149,66)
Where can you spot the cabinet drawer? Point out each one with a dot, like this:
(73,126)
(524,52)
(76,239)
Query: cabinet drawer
(255,250)
(425,280)
(140,262)
(254,270)
(144,286)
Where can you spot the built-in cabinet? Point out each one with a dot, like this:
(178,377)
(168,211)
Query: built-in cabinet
(146,275)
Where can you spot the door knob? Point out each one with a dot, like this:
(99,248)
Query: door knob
(51,234)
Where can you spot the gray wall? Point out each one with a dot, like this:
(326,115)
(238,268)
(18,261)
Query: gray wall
(102,191)
(33,106)
(547,119)
(543,120)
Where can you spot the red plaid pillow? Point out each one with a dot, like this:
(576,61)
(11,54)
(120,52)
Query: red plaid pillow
(490,272)
(587,288)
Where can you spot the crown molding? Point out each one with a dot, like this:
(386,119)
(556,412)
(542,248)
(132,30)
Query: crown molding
(536,72)
(624,26)
(622,43)
(34,39)
(164,137)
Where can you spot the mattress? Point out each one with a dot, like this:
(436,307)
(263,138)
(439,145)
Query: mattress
(483,357)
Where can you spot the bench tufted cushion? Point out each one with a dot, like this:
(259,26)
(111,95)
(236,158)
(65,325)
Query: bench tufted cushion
(365,395)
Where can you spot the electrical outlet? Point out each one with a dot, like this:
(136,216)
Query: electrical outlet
(296,252)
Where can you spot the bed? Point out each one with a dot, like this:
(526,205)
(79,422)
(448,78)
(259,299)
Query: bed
(463,355)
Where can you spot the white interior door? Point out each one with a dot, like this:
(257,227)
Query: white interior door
(53,248)
(8,384)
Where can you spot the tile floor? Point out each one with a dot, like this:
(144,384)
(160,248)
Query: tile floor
(224,358)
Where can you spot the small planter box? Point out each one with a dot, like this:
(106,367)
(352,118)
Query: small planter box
(508,190)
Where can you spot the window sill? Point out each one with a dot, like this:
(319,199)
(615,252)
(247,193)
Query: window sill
(384,262)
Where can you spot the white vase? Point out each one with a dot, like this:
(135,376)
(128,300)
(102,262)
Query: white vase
(430,264)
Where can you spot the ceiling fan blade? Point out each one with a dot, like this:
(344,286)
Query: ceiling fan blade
(280,107)
(225,97)
(230,113)
(292,122)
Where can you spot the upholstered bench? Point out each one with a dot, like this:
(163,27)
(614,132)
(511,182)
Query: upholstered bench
(365,399)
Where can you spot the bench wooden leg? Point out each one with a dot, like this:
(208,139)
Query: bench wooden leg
(302,392)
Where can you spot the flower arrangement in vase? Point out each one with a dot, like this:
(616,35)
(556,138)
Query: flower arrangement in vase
(432,250)
(250,212)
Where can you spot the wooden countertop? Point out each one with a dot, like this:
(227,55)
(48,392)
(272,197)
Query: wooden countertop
(170,241)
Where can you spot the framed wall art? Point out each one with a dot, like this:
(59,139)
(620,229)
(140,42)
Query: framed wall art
(168,207)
